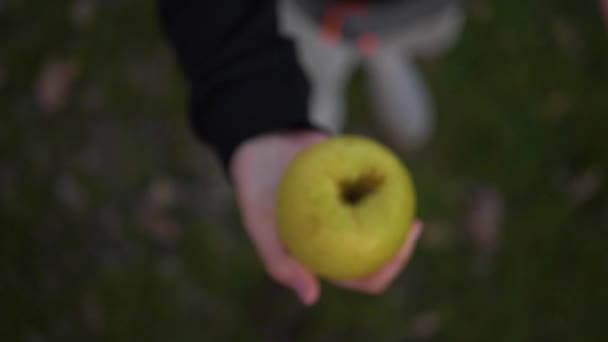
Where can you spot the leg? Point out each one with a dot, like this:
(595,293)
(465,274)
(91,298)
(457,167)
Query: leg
(401,99)
(431,36)
(328,66)
(399,93)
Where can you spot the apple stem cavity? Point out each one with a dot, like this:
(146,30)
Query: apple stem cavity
(355,191)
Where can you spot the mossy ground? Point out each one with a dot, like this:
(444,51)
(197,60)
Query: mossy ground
(114,227)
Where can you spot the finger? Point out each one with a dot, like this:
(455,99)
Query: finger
(288,272)
(381,279)
(279,264)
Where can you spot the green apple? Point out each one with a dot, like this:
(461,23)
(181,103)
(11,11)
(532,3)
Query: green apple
(345,207)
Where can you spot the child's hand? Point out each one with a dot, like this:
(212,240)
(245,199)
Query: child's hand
(257,168)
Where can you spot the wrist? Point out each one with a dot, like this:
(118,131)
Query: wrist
(273,143)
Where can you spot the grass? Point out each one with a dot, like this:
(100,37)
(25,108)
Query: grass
(521,110)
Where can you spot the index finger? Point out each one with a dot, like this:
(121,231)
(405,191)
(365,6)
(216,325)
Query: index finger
(381,279)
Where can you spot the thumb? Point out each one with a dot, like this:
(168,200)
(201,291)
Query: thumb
(291,274)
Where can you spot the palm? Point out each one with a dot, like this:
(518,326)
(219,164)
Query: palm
(257,168)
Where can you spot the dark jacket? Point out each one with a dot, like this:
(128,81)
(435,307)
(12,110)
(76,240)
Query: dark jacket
(243,77)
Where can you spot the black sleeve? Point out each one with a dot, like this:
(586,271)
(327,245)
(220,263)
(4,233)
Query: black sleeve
(243,77)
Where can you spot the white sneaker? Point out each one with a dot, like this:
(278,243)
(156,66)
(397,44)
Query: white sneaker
(402,101)
(398,92)
(328,66)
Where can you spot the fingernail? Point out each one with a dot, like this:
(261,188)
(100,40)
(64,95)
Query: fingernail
(304,292)
(420,227)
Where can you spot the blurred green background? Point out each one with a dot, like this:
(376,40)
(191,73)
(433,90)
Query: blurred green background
(117,225)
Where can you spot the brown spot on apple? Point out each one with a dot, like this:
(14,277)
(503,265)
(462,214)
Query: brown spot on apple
(355,191)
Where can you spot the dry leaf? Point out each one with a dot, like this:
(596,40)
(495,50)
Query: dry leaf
(584,185)
(54,84)
(484,217)
(82,12)
(426,324)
